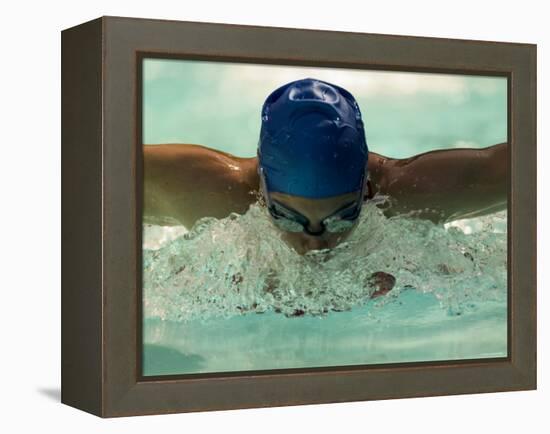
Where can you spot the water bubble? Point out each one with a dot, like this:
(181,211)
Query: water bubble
(240,265)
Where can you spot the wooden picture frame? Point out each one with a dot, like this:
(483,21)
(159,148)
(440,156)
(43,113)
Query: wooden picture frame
(101,216)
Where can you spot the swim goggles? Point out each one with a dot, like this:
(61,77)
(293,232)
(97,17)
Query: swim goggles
(291,220)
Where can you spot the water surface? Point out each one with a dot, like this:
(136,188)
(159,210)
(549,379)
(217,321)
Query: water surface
(230,295)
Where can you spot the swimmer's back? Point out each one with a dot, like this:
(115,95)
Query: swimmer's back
(184,182)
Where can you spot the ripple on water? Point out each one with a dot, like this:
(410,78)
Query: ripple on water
(239,264)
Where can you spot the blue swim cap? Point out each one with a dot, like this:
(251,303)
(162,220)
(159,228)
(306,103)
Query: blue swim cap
(312,140)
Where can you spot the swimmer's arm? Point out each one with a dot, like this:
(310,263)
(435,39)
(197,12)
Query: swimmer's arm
(445,185)
(184,182)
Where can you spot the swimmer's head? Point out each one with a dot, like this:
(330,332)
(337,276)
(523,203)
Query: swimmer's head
(312,140)
(312,160)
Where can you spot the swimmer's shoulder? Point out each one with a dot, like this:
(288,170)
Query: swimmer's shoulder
(379,168)
(188,157)
(174,153)
(188,181)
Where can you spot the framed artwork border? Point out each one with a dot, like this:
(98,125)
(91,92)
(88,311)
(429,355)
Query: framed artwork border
(102,191)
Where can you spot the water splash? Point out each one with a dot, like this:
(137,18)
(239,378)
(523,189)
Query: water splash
(239,264)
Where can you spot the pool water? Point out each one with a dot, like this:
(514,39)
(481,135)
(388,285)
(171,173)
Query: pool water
(230,295)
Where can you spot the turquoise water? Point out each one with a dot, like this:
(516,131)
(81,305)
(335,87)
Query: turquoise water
(412,327)
(206,304)
(449,300)
(218,104)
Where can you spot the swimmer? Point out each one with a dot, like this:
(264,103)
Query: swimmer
(314,171)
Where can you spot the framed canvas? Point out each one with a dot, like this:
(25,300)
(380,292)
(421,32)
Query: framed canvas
(258,216)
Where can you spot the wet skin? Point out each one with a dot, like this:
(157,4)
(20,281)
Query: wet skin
(184,182)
